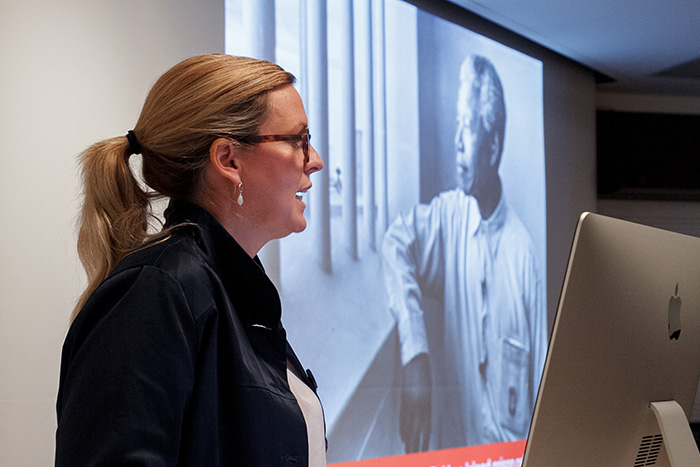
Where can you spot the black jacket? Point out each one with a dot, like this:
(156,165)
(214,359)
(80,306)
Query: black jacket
(179,359)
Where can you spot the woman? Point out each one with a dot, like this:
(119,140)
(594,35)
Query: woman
(176,355)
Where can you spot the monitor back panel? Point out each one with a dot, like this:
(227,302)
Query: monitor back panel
(610,352)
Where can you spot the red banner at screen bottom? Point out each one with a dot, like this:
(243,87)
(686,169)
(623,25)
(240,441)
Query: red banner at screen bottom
(487,455)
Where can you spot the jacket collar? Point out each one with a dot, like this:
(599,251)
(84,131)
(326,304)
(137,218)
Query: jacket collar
(252,293)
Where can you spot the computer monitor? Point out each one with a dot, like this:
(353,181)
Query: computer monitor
(623,362)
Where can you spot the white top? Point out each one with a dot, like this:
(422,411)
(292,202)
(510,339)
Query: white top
(313,416)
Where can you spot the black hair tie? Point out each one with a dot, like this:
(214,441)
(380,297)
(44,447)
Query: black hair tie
(134,145)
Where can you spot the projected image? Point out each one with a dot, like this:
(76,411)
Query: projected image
(424,321)
(470,250)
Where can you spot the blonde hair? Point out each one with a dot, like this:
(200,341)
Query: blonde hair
(197,101)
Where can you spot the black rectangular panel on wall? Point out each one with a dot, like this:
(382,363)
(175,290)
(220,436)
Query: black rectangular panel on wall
(648,155)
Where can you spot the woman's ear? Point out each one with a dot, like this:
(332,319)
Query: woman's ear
(225,159)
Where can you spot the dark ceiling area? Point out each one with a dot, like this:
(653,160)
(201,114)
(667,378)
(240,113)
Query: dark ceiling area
(645,47)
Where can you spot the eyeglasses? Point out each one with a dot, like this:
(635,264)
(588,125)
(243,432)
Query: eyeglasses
(304,138)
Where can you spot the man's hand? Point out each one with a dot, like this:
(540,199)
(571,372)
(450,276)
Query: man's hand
(416,408)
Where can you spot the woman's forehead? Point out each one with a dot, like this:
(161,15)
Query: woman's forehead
(285,109)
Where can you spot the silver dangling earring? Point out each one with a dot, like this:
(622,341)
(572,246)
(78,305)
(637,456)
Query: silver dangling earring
(240,194)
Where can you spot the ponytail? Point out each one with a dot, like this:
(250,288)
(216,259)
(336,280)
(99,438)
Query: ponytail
(115,213)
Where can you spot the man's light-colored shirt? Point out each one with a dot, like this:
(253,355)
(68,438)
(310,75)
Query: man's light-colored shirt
(487,342)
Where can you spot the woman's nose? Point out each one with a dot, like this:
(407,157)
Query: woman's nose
(315,162)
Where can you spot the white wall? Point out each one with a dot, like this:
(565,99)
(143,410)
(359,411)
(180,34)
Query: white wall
(569,122)
(73,72)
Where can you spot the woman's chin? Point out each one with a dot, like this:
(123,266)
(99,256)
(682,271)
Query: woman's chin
(301,225)
(298,226)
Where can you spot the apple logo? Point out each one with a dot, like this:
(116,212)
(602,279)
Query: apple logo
(674,316)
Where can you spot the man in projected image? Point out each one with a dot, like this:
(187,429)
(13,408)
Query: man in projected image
(471,367)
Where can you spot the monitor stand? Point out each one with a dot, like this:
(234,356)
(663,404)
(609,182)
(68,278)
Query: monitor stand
(680,445)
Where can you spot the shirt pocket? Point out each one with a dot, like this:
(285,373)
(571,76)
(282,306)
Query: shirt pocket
(513,392)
